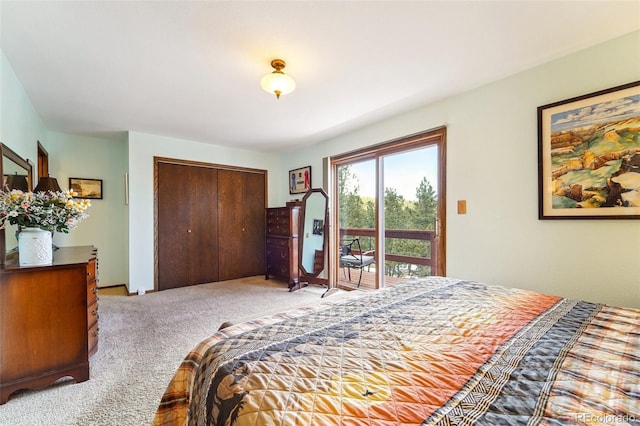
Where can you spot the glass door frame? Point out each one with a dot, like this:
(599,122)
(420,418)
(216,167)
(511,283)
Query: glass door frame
(376,152)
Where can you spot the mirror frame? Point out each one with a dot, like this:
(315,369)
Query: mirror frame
(5,151)
(306,276)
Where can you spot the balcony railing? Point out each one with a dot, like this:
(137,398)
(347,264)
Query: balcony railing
(405,234)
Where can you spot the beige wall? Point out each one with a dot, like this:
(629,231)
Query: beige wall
(492,163)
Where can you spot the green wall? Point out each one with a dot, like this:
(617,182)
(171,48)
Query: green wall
(491,163)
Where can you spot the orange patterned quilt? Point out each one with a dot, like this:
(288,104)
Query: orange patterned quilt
(435,351)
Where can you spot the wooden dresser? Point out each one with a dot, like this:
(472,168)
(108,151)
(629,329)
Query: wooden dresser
(282,244)
(48,320)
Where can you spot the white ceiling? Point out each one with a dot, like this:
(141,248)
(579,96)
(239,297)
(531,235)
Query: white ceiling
(191,69)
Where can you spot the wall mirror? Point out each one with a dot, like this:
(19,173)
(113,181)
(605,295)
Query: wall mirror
(314,216)
(12,165)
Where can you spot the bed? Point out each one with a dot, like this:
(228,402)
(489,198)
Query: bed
(434,351)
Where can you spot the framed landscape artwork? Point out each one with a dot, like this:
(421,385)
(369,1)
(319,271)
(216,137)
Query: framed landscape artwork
(300,180)
(86,188)
(589,156)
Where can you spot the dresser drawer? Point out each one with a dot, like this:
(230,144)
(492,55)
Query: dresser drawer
(278,242)
(91,270)
(279,269)
(93,338)
(278,213)
(92,314)
(92,292)
(278,252)
(278,229)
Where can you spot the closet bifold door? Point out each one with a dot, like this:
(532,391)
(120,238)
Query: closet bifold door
(187,227)
(241,224)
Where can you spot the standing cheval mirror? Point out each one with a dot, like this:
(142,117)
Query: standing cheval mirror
(314,217)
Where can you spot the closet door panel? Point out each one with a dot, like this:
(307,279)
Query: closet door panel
(254,222)
(203,233)
(187,225)
(241,224)
(173,222)
(233,249)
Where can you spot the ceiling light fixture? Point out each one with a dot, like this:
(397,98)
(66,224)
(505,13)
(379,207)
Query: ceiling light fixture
(277,82)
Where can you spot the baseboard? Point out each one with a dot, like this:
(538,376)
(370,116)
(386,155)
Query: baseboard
(137,293)
(117,289)
(112,286)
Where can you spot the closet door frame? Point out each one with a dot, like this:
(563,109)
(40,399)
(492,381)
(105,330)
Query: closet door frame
(156,161)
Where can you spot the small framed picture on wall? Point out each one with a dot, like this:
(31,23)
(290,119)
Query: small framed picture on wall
(300,180)
(86,188)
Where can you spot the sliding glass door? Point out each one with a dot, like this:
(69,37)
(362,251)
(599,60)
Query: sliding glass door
(389,207)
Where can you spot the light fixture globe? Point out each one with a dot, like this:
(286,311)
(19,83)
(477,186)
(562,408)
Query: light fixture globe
(278,82)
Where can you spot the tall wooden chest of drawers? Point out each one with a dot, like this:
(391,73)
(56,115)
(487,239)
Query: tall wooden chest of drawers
(282,244)
(48,320)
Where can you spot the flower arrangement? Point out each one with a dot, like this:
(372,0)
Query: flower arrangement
(48,210)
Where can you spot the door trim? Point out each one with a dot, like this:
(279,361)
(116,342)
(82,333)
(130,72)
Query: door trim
(43,161)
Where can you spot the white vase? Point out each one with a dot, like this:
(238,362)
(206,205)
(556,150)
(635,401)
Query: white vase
(35,247)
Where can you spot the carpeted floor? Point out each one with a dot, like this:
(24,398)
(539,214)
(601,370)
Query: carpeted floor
(143,339)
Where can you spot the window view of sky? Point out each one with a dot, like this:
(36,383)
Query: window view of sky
(402,171)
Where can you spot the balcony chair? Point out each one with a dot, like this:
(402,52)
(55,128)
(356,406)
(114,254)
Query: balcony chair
(352,257)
